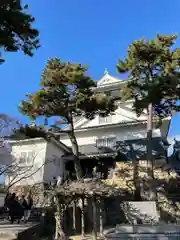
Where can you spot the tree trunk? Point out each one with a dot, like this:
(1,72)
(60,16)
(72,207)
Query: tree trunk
(59,233)
(135,162)
(137,191)
(150,160)
(75,149)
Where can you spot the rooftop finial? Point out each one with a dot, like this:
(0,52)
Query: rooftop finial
(105,71)
(33,123)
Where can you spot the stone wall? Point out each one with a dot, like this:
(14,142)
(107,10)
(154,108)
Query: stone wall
(21,232)
(167,184)
(145,231)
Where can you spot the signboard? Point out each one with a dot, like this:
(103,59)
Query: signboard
(144,212)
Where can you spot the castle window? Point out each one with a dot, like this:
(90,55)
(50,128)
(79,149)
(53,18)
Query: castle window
(108,93)
(105,120)
(109,142)
(26,157)
(115,93)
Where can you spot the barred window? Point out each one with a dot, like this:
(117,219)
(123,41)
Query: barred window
(106,142)
(105,120)
(26,157)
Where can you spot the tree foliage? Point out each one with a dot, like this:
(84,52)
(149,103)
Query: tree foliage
(16,31)
(66,91)
(154,76)
(27,131)
(7,125)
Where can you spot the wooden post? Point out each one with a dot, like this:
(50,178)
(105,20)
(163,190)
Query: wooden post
(82,218)
(100,218)
(94,218)
(74,216)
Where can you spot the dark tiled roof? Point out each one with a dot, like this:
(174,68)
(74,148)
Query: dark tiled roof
(122,123)
(129,147)
(92,149)
(139,148)
(88,149)
(2,197)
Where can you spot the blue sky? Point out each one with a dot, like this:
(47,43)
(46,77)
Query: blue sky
(92,32)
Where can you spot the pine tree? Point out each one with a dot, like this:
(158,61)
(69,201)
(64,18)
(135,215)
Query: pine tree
(16,31)
(67,92)
(154,77)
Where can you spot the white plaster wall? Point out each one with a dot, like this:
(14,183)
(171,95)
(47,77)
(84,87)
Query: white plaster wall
(31,174)
(54,165)
(5,153)
(120,115)
(88,123)
(122,133)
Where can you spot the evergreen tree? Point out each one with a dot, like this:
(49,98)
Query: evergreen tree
(154,77)
(16,31)
(67,92)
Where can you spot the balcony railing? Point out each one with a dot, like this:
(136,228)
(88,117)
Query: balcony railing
(108,142)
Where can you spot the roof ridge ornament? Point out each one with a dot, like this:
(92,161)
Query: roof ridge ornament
(106,71)
(33,124)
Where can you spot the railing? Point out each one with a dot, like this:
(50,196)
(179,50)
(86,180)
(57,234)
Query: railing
(108,142)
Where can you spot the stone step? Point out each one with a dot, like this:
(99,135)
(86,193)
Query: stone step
(19,231)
